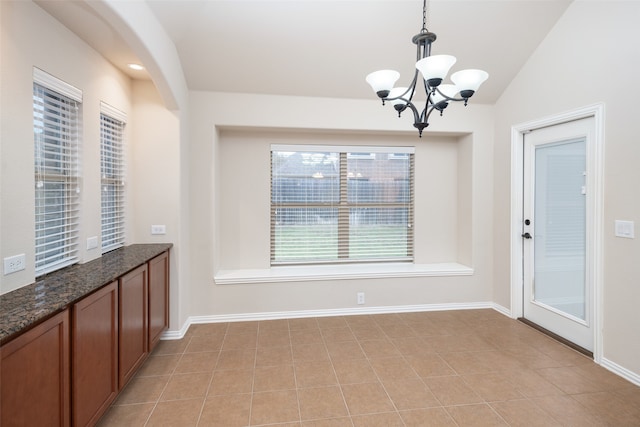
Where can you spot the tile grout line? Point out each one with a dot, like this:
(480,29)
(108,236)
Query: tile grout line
(374,370)
(155,405)
(437,354)
(344,400)
(458,374)
(212,373)
(405,360)
(295,376)
(253,376)
(206,395)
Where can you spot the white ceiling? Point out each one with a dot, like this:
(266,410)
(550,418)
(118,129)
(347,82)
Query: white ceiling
(325,48)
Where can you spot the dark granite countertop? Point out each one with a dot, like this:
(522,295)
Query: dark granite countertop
(53,292)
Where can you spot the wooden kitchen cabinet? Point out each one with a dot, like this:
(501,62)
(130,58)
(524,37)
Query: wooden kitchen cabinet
(158,298)
(34,373)
(133,320)
(94,349)
(67,367)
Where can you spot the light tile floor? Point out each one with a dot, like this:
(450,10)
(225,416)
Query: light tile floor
(449,368)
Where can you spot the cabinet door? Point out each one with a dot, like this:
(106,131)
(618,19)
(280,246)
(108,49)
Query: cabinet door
(132,325)
(34,368)
(94,341)
(158,298)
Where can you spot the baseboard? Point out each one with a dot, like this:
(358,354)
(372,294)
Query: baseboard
(246,317)
(620,371)
(502,310)
(176,335)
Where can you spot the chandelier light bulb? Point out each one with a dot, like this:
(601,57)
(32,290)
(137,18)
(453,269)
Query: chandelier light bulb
(382,81)
(435,68)
(468,81)
(395,93)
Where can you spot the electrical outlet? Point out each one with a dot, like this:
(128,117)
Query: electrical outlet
(360,298)
(158,229)
(92,242)
(14,263)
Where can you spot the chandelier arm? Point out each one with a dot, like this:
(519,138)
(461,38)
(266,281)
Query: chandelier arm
(412,85)
(428,89)
(420,120)
(448,98)
(411,88)
(426,117)
(414,110)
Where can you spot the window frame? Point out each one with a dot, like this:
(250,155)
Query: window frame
(344,206)
(57,119)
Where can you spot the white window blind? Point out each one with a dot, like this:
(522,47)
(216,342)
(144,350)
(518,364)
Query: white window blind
(112,168)
(341,204)
(56,122)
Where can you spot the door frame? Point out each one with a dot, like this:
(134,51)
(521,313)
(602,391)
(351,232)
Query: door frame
(595,184)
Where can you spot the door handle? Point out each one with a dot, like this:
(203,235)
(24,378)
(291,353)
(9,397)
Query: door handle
(526,235)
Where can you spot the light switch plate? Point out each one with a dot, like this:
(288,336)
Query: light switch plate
(625,229)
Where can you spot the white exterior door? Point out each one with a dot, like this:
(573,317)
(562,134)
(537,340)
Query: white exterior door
(557,288)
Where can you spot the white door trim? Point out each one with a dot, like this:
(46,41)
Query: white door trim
(595,168)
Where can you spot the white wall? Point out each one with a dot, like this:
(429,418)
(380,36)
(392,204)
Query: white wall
(32,38)
(155,185)
(590,56)
(220,121)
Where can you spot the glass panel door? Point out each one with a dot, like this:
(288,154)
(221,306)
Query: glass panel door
(557,286)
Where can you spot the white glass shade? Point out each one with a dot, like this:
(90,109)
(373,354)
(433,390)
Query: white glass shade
(469,79)
(449,90)
(395,92)
(382,80)
(435,66)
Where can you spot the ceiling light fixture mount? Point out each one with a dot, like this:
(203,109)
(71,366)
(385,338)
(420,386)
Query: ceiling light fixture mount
(433,69)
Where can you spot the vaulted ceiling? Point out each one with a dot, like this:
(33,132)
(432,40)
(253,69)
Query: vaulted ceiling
(325,48)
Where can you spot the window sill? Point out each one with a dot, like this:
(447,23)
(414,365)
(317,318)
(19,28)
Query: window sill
(339,272)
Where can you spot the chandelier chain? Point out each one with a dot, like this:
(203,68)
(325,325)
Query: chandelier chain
(424,17)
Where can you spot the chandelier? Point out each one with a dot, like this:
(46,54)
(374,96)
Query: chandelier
(433,69)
